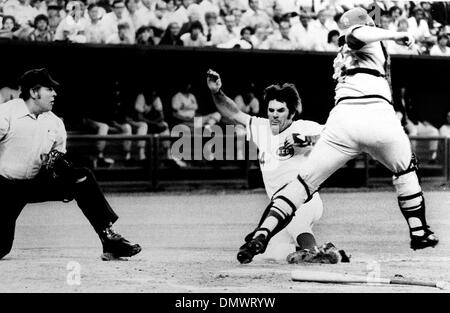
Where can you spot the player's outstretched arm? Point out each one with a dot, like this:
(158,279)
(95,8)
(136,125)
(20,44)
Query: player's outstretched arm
(224,104)
(369,34)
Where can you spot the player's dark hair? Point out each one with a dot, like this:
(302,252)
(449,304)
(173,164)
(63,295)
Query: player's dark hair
(286,93)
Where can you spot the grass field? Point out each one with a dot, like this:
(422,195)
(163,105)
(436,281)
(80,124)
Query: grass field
(190,242)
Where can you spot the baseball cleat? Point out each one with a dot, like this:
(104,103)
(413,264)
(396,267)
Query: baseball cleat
(251,248)
(429,239)
(115,246)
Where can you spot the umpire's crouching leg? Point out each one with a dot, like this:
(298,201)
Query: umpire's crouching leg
(91,200)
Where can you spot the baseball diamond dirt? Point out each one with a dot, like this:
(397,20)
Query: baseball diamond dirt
(190,241)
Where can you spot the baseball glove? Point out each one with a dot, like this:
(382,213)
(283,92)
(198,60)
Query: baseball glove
(326,254)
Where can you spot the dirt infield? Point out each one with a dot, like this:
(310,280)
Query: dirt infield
(190,243)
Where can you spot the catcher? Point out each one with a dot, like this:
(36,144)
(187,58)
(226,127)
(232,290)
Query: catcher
(283,144)
(33,167)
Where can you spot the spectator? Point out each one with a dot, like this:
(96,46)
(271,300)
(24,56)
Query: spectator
(237,13)
(146,10)
(208,6)
(254,15)
(440,12)
(124,35)
(281,39)
(39,7)
(320,29)
(259,39)
(94,30)
(231,30)
(176,12)
(214,32)
(441,48)
(426,129)
(116,119)
(418,26)
(171,36)
(195,37)
(145,36)
(228,6)
(22,12)
(395,13)
(54,17)
(245,41)
(149,5)
(42,31)
(149,109)
(302,33)
(194,16)
(287,6)
(386,22)
(160,20)
(333,41)
(247,101)
(119,15)
(445,128)
(184,105)
(426,6)
(72,27)
(138,18)
(9,28)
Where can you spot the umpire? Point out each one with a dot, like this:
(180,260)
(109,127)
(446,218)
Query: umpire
(33,167)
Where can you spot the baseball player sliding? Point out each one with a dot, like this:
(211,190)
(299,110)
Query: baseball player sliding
(283,144)
(363,120)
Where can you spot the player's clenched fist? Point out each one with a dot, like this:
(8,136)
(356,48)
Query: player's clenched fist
(406,38)
(213,81)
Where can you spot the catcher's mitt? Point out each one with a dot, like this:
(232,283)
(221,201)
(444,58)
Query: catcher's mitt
(327,254)
(58,166)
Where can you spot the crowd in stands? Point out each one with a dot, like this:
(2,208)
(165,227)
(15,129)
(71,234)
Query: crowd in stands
(244,24)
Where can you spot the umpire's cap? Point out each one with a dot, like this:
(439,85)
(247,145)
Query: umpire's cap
(37,77)
(355,16)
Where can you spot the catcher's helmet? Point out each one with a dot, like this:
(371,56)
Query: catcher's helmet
(355,16)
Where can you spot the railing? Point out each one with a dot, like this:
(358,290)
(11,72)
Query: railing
(153,174)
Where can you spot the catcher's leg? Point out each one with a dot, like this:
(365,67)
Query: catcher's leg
(323,161)
(396,155)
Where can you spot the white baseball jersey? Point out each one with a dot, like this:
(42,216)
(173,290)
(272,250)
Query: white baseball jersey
(355,56)
(279,166)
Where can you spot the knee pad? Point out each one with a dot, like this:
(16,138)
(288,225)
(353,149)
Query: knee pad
(412,167)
